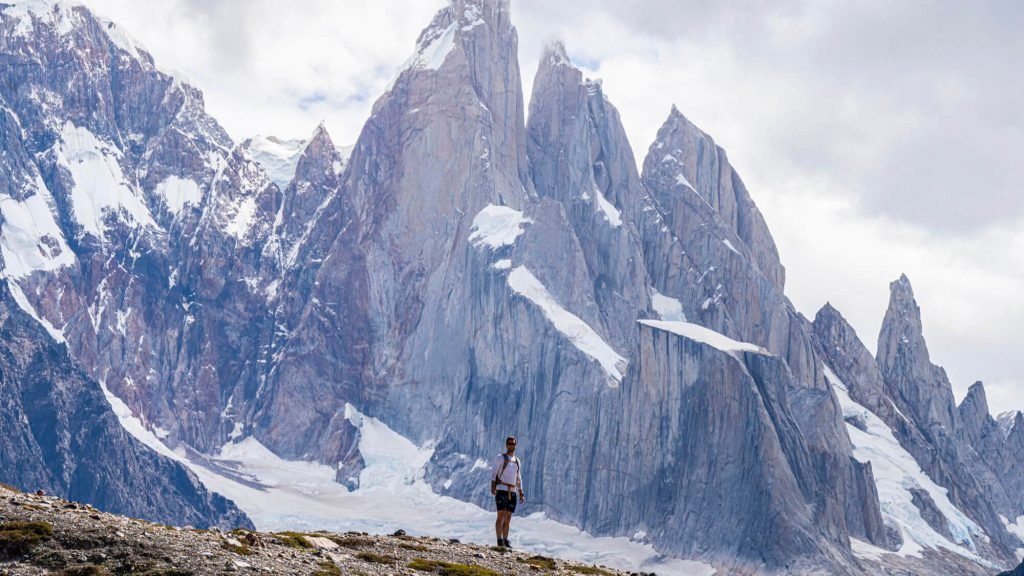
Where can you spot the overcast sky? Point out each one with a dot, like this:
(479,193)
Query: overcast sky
(878,138)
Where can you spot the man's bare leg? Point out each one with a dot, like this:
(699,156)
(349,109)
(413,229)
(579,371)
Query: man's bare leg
(506,519)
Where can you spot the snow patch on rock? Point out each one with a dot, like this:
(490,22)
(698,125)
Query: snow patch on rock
(30,238)
(497,226)
(704,335)
(667,308)
(610,212)
(25,305)
(243,218)
(433,54)
(178,192)
(579,333)
(99,184)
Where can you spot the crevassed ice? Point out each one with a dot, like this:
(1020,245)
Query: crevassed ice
(497,226)
(278,157)
(579,333)
(896,473)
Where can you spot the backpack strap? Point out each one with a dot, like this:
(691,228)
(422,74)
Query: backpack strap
(504,465)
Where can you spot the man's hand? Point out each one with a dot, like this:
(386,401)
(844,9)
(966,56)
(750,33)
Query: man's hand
(521,498)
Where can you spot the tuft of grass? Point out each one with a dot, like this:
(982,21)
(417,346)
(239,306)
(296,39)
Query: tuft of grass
(19,538)
(449,569)
(351,541)
(541,562)
(328,569)
(590,570)
(11,488)
(166,572)
(375,558)
(240,549)
(89,570)
(415,547)
(50,559)
(294,540)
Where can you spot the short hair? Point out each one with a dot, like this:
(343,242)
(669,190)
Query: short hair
(511,439)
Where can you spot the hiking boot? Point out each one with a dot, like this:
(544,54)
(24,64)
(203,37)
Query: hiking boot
(501,542)
(507,544)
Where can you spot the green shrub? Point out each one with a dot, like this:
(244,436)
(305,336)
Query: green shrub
(294,540)
(590,570)
(415,547)
(240,549)
(539,562)
(351,541)
(90,570)
(448,569)
(376,558)
(328,569)
(18,538)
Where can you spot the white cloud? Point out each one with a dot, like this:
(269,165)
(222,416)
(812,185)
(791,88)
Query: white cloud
(877,138)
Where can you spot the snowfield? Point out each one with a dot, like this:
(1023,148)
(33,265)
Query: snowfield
(279,494)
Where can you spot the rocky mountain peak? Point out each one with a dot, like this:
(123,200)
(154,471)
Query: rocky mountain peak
(1017,429)
(580,157)
(555,54)
(685,160)
(1007,420)
(976,402)
(901,328)
(974,414)
(851,360)
(915,384)
(319,154)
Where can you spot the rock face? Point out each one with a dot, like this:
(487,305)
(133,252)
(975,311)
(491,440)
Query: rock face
(464,275)
(59,434)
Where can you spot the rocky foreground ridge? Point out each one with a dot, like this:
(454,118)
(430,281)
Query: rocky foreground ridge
(48,535)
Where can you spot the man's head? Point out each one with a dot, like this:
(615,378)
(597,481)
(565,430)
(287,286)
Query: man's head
(510,444)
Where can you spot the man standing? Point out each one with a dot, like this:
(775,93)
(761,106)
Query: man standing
(506,481)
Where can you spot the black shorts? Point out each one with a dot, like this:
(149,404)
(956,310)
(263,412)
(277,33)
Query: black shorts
(505,500)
